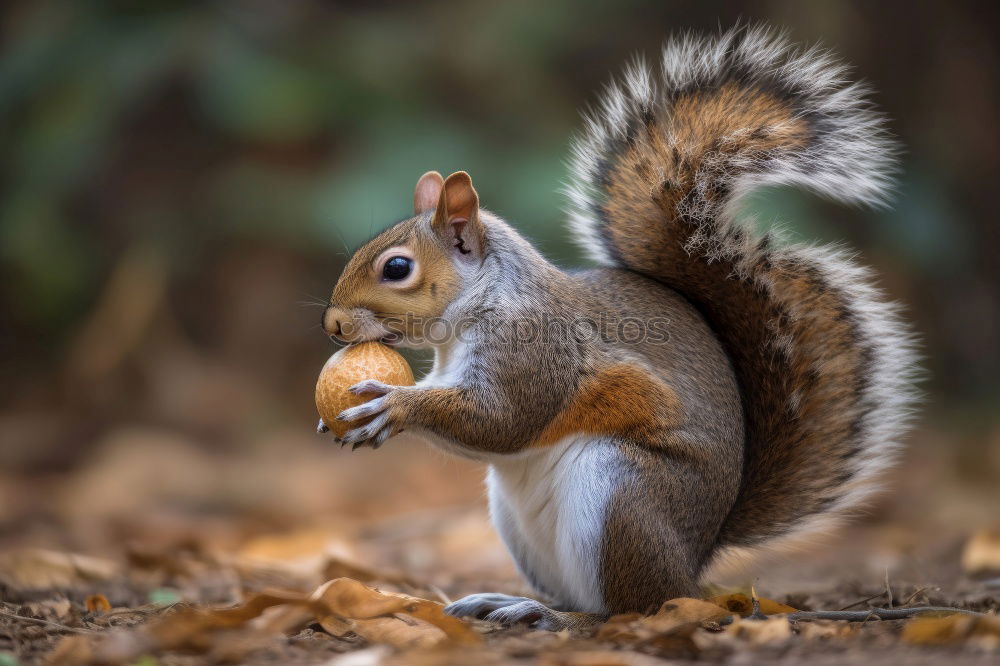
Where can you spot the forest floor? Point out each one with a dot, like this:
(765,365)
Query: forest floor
(129,559)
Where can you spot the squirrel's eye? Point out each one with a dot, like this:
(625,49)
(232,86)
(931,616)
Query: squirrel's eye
(397,268)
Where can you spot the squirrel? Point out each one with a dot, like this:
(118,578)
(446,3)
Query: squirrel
(709,387)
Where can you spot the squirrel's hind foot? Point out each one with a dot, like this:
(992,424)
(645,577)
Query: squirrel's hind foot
(508,610)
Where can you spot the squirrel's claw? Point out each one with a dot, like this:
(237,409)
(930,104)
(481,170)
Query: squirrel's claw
(379,428)
(481,605)
(370,408)
(322,428)
(371,386)
(373,433)
(528,612)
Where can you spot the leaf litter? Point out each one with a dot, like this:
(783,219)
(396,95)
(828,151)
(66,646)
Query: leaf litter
(352,615)
(259,586)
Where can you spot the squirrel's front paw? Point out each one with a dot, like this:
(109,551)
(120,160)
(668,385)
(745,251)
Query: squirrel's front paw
(382,424)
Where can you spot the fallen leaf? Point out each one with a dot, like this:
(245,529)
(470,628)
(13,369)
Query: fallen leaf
(399,632)
(345,597)
(598,658)
(980,630)
(772,630)
(689,610)
(670,628)
(742,605)
(826,629)
(53,609)
(284,619)
(395,631)
(97,603)
(71,650)
(115,647)
(36,569)
(982,552)
(340,606)
(335,626)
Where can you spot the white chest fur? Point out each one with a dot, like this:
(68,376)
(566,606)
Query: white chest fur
(449,363)
(550,506)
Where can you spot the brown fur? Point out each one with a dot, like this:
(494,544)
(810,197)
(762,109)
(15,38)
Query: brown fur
(359,292)
(621,400)
(795,447)
(431,238)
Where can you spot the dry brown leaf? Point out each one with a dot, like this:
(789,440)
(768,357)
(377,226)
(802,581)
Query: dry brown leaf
(233,647)
(982,552)
(399,632)
(672,620)
(772,630)
(36,568)
(341,606)
(71,650)
(349,598)
(683,609)
(335,626)
(826,629)
(115,647)
(980,630)
(56,609)
(97,603)
(286,619)
(249,609)
(742,605)
(598,658)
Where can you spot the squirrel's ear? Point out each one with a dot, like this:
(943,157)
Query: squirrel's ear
(456,219)
(427,193)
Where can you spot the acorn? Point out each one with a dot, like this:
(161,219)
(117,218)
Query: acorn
(350,365)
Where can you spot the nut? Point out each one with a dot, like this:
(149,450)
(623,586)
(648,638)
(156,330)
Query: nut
(350,365)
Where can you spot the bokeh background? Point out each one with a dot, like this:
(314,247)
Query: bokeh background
(182,183)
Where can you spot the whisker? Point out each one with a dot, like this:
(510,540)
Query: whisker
(343,241)
(312,299)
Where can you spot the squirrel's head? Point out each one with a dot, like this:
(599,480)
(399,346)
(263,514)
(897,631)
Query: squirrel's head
(401,282)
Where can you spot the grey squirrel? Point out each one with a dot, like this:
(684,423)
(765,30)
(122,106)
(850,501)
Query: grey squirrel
(764,388)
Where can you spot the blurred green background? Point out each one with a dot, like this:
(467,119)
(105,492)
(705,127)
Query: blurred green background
(182,183)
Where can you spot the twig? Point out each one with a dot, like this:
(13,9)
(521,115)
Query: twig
(888,589)
(107,620)
(142,610)
(47,623)
(756,614)
(913,596)
(874,596)
(439,593)
(880,613)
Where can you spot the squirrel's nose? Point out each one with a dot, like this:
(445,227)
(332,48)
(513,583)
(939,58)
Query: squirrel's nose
(335,321)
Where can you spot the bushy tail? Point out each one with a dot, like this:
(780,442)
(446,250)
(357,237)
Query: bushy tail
(824,362)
